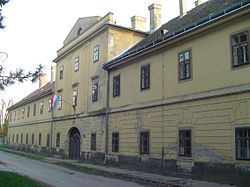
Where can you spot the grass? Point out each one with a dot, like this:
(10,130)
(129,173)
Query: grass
(9,179)
(33,156)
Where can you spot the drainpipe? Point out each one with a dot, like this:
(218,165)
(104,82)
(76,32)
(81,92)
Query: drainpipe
(107,119)
(51,131)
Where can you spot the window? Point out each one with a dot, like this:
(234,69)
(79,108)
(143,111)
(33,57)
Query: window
(61,72)
(27,138)
(28,112)
(95,91)
(74,102)
(116,85)
(76,64)
(80,30)
(21,138)
(185,65)
(242,143)
(145,77)
(14,116)
(39,139)
(48,140)
(32,139)
(144,142)
(59,102)
(41,107)
(17,138)
(96,53)
(58,139)
(115,142)
(49,105)
(34,110)
(93,142)
(185,143)
(13,138)
(240,49)
(18,114)
(23,111)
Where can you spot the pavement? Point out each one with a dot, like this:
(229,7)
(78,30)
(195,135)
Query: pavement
(159,180)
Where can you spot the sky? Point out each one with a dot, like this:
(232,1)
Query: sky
(36,29)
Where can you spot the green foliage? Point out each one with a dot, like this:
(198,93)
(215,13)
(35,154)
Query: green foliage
(9,179)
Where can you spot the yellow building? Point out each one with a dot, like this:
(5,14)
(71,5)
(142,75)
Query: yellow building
(179,99)
(176,100)
(75,127)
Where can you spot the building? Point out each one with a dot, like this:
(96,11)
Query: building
(177,100)
(76,126)
(188,102)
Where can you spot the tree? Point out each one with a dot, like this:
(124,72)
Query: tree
(4,105)
(2,3)
(18,75)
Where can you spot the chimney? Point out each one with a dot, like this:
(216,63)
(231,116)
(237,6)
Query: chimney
(183,8)
(53,72)
(155,16)
(138,23)
(42,80)
(198,2)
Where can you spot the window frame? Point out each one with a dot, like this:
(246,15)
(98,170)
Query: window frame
(74,96)
(240,44)
(95,91)
(40,139)
(185,61)
(145,77)
(32,139)
(41,107)
(181,139)
(115,141)
(76,64)
(58,141)
(59,107)
(27,139)
(247,138)
(61,72)
(48,140)
(143,150)
(96,53)
(93,142)
(116,85)
(34,109)
(28,111)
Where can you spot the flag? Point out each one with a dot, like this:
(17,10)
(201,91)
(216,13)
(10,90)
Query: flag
(54,100)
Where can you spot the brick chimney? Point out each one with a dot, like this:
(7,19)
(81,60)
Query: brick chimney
(183,8)
(138,23)
(53,72)
(198,2)
(42,80)
(155,16)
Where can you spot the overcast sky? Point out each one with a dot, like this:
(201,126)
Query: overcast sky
(36,29)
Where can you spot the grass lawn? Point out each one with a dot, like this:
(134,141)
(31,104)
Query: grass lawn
(9,179)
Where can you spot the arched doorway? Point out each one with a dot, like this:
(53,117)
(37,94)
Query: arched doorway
(74,143)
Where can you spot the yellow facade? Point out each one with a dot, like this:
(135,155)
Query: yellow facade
(208,106)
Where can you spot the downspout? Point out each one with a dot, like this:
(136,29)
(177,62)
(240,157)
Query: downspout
(51,131)
(162,115)
(107,119)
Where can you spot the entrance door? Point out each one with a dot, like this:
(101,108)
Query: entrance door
(74,144)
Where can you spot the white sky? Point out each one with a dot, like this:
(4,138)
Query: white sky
(36,29)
